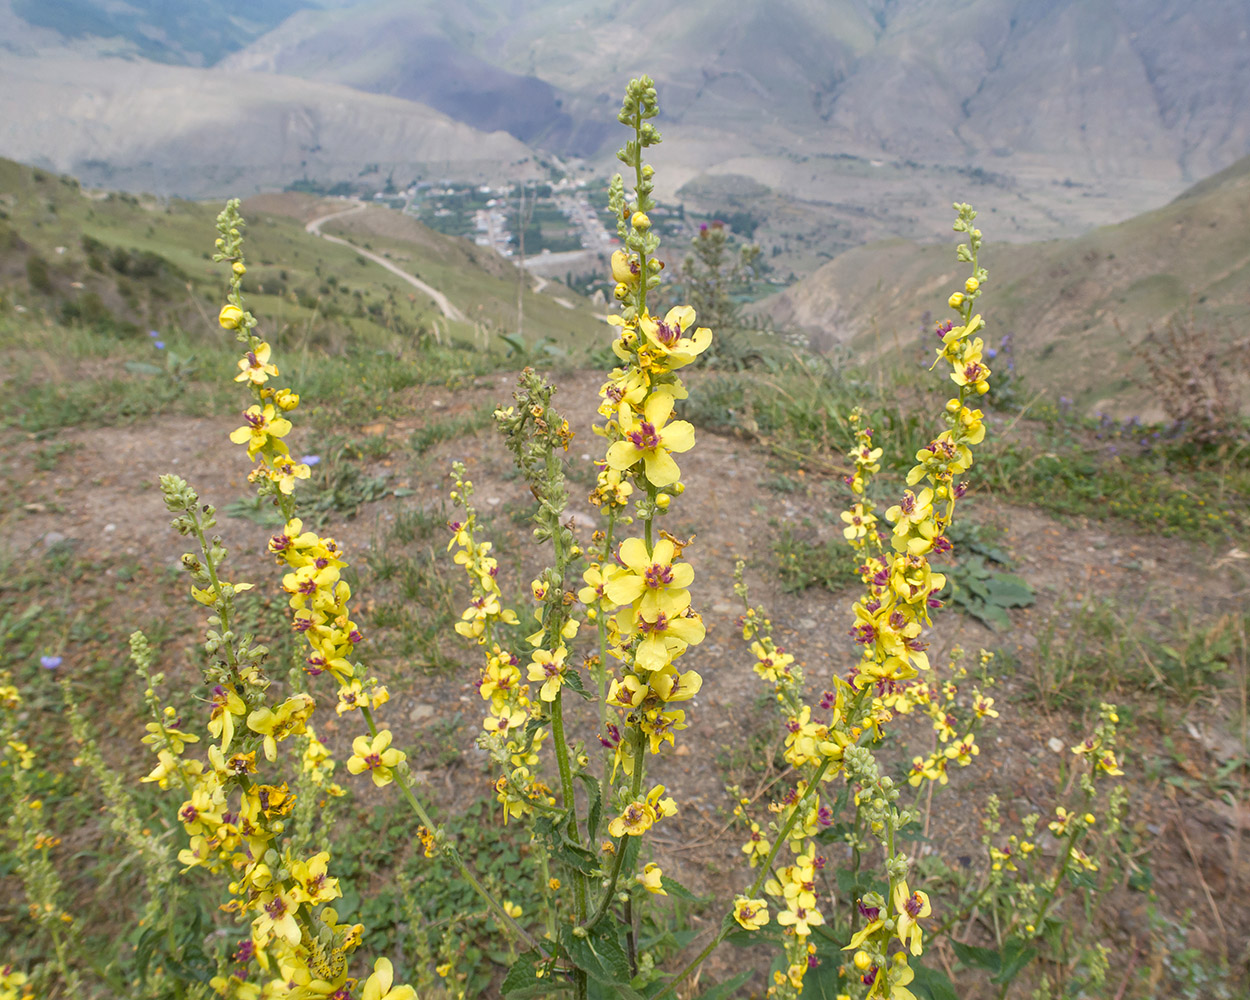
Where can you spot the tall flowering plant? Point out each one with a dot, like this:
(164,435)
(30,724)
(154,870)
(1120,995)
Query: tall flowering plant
(633,596)
(609,622)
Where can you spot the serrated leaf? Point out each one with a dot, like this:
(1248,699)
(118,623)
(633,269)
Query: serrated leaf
(573,680)
(523,980)
(675,888)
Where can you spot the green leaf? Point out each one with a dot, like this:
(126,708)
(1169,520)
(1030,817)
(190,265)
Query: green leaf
(601,957)
(981,958)
(514,342)
(1009,591)
(523,981)
(931,984)
(990,615)
(1017,953)
(675,888)
(594,793)
(143,368)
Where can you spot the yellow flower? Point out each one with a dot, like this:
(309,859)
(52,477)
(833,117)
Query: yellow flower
(275,726)
(652,581)
(664,637)
(376,756)
(1107,762)
(512,909)
(254,366)
(667,337)
(312,882)
(548,668)
(505,721)
(756,848)
(651,441)
(651,879)
(285,472)
(260,426)
(801,918)
(226,705)
(751,914)
(963,751)
(230,317)
(910,907)
(379,985)
(858,522)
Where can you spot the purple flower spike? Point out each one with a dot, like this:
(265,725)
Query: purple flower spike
(154,334)
(50,662)
(159,345)
(311,460)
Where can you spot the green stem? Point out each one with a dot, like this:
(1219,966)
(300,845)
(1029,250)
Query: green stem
(449,850)
(765,869)
(1049,898)
(619,857)
(220,605)
(566,788)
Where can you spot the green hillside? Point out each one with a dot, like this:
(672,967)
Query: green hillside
(1079,309)
(86,276)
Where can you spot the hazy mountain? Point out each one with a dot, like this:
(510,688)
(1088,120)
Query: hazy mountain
(139,125)
(843,120)
(1078,309)
(1116,88)
(195,34)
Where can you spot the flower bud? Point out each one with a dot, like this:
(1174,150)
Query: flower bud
(862,960)
(238,268)
(621,292)
(971,285)
(640,221)
(648,171)
(952,406)
(956,300)
(663,500)
(230,317)
(982,387)
(623,268)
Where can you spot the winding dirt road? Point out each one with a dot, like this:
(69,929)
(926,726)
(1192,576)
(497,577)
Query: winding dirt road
(441,300)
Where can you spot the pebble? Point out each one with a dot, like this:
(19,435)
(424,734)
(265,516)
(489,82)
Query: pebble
(52,538)
(421,713)
(1055,744)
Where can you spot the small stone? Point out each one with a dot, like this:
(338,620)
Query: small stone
(421,713)
(807,624)
(494,501)
(1055,744)
(53,538)
(110,527)
(721,608)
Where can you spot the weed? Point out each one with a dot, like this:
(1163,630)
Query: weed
(802,564)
